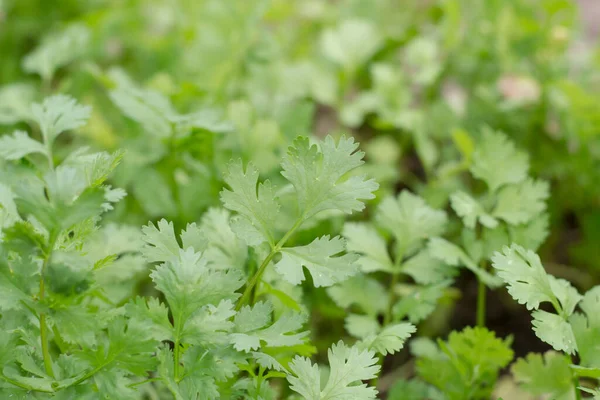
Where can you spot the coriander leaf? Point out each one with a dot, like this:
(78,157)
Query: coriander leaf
(498,162)
(252,318)
(320,258)
(8,209)
(520,203)
(468,364)
(149,108)
(316,173)
(453,255)
(209,324)
(532,234)
(57,114)
(410,219)
(56,51)
(267,361)
(426,269)
(280,333)
(152,315)
(529,284)
(566,294)
(256,204)
(15,103)
(361,326)
(525,276)
(161,242)
(341,45)
(391,339)
(548,375)
(413,389)
(223,248)
(19,145)
(188,284)
(420,302)
(347,366)
(360,290)
(554,330)
(366,241)
(586,328)
(470,211)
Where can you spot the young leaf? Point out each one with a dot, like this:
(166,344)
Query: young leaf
(366,241)
(470,211)
(317,173)
(391,338)
(498,162)
(320,258)
(347,365)
(549,375)
(410,219)
(19,145)
(57,114)
(518,204)
(256,204)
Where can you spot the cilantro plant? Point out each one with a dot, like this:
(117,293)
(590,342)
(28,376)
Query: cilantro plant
(206,227)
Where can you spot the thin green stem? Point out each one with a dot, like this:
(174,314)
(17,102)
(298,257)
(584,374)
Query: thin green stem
(576,382)
(391,298)
(481,293)
(43,325)
(263,266)
(23,385)
(135,384)
(176,355)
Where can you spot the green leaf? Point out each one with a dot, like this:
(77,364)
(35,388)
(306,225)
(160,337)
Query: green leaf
(360,290)
(19,145)
(548,375)
(532,234)
(586,328)
(469,364)
(554,330)
(420,302)
(366,241)
(453,255)
(426,269)
(470,211)
(149,108)
(256,204)
(316,173)
(410,220)
(361,326)
(267,361)
(347,367)
(56,51)
(521,203)
(391,338)
(280,333)
(341,45)
(188,284)
(528,282)
(413,389)
(498,162)
(320,258)
(57,114)
(161,243)
(525,276)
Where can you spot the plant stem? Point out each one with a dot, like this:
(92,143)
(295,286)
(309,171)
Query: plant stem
(23,385)
(575,382)
(176,354)
(43,326)
(481,293)
(256,277)
(391,298)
